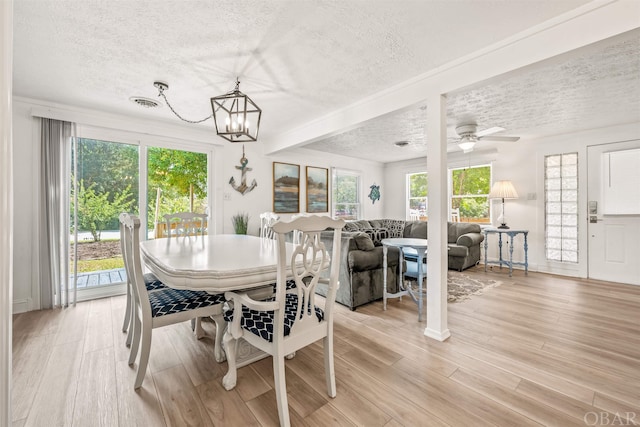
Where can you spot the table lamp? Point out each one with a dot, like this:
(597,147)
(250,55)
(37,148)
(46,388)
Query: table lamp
(503,190)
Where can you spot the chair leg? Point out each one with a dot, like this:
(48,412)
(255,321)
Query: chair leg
(131,307)
(281,390)
(218,351)
(145,349)
(198,328)
(127,313)
(230,347)
(135,334)
(329,369)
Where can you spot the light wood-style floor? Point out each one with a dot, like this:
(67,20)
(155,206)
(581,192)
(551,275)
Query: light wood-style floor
(537,350)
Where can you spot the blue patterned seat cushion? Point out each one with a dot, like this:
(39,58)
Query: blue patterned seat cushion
(260,323)
(291,284)
(152,282)
(169,301)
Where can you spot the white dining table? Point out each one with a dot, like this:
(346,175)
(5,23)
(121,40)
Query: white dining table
(217,264)
(213,263)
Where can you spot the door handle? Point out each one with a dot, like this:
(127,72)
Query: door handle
(593,219)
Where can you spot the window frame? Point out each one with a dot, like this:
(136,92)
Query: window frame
(357,204)
(569,217)
(451,196)
(408,197)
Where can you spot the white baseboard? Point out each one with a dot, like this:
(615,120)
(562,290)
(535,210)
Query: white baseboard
(26,304)
(437,335)
(22,305)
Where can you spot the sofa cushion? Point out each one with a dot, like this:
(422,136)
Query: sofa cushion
(457,250)
(416,230)
(376,223)
(363,242)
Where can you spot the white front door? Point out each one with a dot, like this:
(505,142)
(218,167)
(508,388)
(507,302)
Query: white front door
(613,219)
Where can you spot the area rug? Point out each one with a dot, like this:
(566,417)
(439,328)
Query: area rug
(462,286)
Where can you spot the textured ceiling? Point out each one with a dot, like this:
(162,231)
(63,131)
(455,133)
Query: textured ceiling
(300,60)
(592,87)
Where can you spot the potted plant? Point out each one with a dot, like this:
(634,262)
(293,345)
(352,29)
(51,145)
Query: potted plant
(240,223)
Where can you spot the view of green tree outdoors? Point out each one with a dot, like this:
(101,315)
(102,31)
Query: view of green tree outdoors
(470,189)
(107,183)
(346,202)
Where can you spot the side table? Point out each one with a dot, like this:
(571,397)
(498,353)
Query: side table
(512,233)
(420,246)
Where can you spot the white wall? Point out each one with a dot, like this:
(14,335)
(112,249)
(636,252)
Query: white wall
(522,163)
(6,208)
(226,157)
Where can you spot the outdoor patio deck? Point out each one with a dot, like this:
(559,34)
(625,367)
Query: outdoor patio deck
(101,278)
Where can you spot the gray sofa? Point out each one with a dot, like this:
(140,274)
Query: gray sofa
(361,263)
(463,242)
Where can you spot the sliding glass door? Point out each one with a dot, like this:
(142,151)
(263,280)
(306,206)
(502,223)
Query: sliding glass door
(112,177)
(104,182)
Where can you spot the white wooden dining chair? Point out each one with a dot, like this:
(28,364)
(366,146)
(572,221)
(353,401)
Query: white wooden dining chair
(182,224)
(150,280)
(290,320)
(297,234)
(186,224)
(162,307)
(455,215)
(267,219)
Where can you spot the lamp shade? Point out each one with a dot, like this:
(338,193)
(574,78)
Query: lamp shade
(503,190)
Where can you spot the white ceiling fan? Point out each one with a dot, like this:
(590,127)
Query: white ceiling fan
(469,136)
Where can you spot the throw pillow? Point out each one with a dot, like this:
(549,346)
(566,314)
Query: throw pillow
(351,226)
(363,242)
(394,226)
(377,234)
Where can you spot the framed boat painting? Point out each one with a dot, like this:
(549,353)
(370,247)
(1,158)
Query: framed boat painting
(317,190)
(286,188)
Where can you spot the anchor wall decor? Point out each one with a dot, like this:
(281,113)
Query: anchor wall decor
(243,188)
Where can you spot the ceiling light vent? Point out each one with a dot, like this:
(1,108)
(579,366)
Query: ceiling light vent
(145,102)
(401,143)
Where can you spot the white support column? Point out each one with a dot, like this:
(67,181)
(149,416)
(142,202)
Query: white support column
(437,211)
(6,208)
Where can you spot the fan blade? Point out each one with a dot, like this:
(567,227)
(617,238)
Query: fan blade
(500,138)
(489,131)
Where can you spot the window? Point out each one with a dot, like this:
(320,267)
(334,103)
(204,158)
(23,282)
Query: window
(470,189)
(346,194)
(561,207)
(469,192)
(417,195)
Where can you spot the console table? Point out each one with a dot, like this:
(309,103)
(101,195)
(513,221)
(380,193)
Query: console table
(512,233)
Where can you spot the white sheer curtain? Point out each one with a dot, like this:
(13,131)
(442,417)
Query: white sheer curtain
(55,164)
